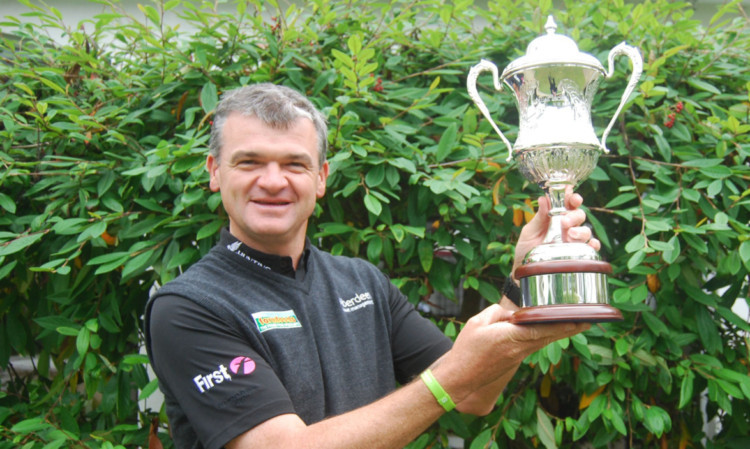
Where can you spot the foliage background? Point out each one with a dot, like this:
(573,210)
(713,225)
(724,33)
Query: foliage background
(104,193)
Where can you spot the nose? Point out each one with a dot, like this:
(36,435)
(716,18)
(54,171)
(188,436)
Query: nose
(272,178)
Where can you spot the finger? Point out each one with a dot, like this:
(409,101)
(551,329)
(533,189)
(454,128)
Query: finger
(543,204)
(542,211)
(574,218)
(580,234)
(538,225)
(543,334)
(508,304)
(493,314)
(573,200)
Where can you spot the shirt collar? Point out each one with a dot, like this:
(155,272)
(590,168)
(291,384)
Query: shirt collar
(278,264)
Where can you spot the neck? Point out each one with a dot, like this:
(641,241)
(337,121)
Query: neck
(280,246)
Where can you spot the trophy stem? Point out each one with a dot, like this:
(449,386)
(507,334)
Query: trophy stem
(556,194)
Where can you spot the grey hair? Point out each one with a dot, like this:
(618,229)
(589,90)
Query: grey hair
(276,106)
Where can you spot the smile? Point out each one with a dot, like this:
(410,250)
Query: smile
(271,202)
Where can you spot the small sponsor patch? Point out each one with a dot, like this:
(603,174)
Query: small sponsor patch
(242,365)
(276,320)
(359,301)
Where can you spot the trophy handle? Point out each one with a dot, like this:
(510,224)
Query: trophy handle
(635,57)
(471,85)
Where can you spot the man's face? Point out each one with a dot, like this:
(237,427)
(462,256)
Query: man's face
(269,180)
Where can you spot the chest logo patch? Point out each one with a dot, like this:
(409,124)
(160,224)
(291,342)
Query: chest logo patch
(266,321)
(359,301)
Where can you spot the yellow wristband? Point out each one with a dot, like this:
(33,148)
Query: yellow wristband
(437,390)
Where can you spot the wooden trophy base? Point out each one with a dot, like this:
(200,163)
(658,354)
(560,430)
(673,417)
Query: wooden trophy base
(567,313)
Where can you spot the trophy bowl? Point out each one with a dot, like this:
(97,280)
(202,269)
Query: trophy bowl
(557,148)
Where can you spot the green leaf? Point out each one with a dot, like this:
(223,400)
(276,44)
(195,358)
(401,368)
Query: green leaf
(19,244)
(149,389)
(82,340)
(544,429)
(670,255)
(7,203)
(744,252)
(53,322)
(447,142)
(135,359)
(621,346)
(327,229)
(686,389)
(636,243)
(482,440)
(707,330)
(69,331)
(656,420)
(184,257)
(151,13)
(509,428)
(663,146)
(30,425)
(210,229)
(656,325)
(700,296)
(6,268)
(137,263)
(58,443)
(374,249)
(426,254)
(209,97)
(69,226)
(489,292)
(120,256)
(703,85)
(620,200)
(375,176)
(373,204)
(618,423)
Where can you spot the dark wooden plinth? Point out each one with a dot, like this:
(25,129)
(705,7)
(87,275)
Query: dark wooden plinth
(559,313)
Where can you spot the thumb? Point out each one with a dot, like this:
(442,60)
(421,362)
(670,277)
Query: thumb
(540,221)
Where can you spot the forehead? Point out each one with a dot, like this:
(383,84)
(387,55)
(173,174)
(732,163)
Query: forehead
(242,132)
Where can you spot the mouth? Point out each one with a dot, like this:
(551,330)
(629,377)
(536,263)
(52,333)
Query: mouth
(271,202)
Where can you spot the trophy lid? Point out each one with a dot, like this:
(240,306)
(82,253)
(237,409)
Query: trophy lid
(552,49)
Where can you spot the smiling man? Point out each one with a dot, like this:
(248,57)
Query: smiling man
(269,180)
(269,342)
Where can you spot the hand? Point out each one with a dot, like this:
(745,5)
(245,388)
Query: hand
(489,348)
(533,233)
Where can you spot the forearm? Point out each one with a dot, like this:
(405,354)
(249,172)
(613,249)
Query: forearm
(483,401)
(391,422)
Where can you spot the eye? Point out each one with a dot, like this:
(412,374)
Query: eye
(247,163)
(297,166)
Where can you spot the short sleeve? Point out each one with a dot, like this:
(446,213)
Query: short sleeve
(218,382)
(416,341)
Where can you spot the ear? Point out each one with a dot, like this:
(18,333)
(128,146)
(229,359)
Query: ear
(322,178)
(212,165)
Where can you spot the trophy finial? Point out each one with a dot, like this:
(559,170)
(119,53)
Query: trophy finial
(550,26)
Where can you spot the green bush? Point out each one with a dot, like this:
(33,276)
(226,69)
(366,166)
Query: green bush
(104,193)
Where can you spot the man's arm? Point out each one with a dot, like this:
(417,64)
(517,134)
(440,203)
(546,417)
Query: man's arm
(483,401)
(486,353)
(474,372)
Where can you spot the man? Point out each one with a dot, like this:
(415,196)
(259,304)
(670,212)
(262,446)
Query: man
(269,342)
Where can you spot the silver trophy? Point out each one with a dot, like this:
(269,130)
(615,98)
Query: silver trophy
(554,85)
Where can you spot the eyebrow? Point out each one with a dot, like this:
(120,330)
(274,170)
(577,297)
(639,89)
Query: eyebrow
(293,157)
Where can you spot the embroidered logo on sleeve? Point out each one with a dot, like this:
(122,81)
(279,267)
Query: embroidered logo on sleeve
(359,301)
(276,320)
(241,365)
